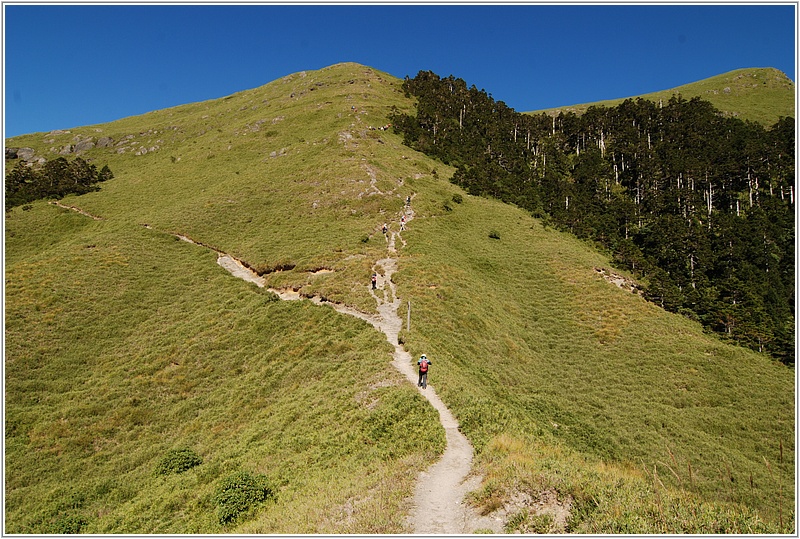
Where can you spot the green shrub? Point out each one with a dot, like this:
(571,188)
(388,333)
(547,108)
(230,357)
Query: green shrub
(240,492)
(68,524)
(458,199)
(178,461)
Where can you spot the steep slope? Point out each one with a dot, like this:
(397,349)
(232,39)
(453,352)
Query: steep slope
(559,355)
(227,171)
(123,342)
(758,94)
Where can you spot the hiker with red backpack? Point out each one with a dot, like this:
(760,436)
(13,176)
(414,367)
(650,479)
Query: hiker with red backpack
(423,363)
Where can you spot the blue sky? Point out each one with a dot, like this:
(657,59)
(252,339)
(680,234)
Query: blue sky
(73,65)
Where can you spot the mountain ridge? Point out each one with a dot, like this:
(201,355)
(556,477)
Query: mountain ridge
(709,88)
(758,94)
(123,342)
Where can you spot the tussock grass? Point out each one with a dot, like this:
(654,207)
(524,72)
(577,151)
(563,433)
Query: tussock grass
(557,353)
(601,499)
(124,343)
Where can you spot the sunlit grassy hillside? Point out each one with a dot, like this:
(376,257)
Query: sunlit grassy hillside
(534,345)
(124,343)
(758,94)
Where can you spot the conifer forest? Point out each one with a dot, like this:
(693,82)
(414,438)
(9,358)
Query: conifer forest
(699,206)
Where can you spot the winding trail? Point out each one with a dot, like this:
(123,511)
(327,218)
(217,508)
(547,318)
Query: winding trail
(438,505)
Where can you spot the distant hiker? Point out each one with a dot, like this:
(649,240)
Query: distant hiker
(374,281)
(408,200)
(423,363)
(385,228)
(402,223)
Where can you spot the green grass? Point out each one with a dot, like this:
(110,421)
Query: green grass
(557,353)
(761,95)
(602,499)
(125,344)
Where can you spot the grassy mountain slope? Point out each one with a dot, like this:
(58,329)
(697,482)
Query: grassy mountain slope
(123,342)
(557,353)
(758,94)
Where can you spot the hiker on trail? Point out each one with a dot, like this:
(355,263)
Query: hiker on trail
(402,223)
(423,363)
(385,228)
(374,280)
(408,200)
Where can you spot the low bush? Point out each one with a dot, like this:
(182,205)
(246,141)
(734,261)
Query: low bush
(239,492)
(68,524)
(178,461)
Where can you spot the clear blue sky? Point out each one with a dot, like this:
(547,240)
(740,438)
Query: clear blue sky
(73,65)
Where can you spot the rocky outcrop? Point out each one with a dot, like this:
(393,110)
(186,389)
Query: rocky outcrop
(28,155)
(83,145)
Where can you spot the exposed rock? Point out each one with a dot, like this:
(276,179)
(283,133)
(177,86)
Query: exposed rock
(125,139)
(143,150)
(620,281)
(26,154)
(105,142)
(83,145)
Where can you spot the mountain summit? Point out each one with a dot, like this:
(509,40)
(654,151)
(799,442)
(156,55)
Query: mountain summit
(150,390)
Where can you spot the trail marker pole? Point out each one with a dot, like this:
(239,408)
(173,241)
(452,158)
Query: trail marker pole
(408,324)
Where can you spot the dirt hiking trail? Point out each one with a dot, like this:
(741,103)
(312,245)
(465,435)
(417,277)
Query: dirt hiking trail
(439,505)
